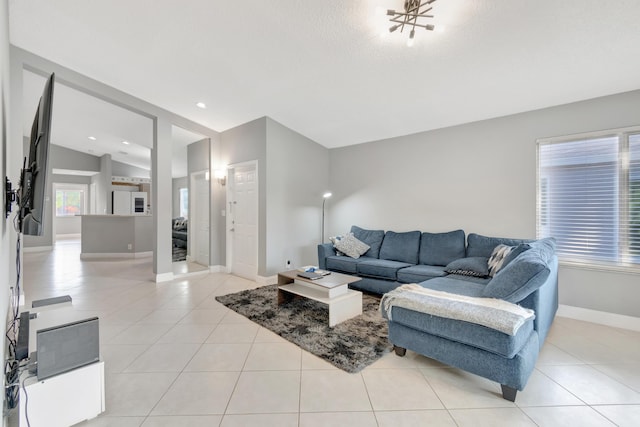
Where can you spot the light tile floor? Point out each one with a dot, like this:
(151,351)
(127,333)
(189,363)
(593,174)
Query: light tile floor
(174,356)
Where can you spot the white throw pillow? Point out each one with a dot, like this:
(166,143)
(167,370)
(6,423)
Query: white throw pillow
(351,246)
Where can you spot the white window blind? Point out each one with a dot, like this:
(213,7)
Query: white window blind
(589,197)
(634,198)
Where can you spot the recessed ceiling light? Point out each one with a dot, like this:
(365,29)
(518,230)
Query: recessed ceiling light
(201,105)
(93,138)
(125,142)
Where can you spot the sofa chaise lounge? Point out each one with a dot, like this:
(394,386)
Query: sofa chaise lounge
(448,262)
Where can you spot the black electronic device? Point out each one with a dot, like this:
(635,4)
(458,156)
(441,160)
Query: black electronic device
(31,192)
(22,345)
(33,180)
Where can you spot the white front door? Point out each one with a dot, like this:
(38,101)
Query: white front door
(199,220)
(244,222)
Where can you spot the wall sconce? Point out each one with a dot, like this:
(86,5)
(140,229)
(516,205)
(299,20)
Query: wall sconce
(221,176)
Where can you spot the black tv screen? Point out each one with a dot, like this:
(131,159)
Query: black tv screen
(35,171)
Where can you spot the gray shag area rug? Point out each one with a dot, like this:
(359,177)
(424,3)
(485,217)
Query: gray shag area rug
(351,345)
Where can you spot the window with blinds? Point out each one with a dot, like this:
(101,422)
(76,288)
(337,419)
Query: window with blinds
(588,197)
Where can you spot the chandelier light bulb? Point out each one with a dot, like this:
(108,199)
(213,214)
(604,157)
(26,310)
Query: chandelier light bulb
(411,39)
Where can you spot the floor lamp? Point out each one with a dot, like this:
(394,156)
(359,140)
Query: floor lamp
(325,196)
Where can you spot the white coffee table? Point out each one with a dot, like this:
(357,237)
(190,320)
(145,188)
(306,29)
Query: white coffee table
(332,290)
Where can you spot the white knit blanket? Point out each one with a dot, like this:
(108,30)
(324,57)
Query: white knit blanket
(493,313)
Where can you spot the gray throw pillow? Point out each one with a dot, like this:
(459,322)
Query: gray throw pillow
(351,246)
(472,266)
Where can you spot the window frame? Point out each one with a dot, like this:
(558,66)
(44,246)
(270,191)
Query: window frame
(63,186)
(624,159)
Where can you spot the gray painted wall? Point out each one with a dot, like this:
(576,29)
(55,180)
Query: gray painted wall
(480,177)
(198,159)
(218,199)
(7,235)
(246,143)
(297,177)
(290,190)
(176,185)
(123,169)
(65,158)
(198,156)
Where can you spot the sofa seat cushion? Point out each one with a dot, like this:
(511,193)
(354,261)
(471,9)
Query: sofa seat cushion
(402,247)
(419,273)
(345,264)
(455,285)
(381,268)
(464,332)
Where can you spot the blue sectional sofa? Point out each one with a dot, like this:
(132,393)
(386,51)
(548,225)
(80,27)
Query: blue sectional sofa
(451,262)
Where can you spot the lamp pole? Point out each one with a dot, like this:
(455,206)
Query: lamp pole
(325,196)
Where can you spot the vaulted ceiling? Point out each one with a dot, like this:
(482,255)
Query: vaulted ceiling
(323,68)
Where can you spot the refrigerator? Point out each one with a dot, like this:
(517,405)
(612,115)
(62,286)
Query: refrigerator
(129,203)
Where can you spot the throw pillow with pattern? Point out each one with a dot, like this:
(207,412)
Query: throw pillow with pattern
(502,255)
(473,266)
(497,258)
(351,246)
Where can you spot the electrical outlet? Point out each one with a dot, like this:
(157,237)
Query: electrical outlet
(288,265)
(129,246)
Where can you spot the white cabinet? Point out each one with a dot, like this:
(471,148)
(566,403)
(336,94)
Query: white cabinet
(65,399)
(129,203)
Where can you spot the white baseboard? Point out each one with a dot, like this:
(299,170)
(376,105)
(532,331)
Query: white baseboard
(115,255)
(218,268)
(600,317)
(37,249)
(143,254)
(164,277)
(269,280)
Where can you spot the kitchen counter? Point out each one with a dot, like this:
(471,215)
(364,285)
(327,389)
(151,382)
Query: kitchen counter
(116,236)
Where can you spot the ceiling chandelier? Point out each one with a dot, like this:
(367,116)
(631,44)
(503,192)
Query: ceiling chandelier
(413,11)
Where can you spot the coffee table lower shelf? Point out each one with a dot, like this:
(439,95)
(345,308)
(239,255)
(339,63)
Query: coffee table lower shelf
(341,308)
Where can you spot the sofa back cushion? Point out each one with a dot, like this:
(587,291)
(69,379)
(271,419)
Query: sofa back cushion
(525,274)
(478,245)
(401,247)
(442,248)
(373,238)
